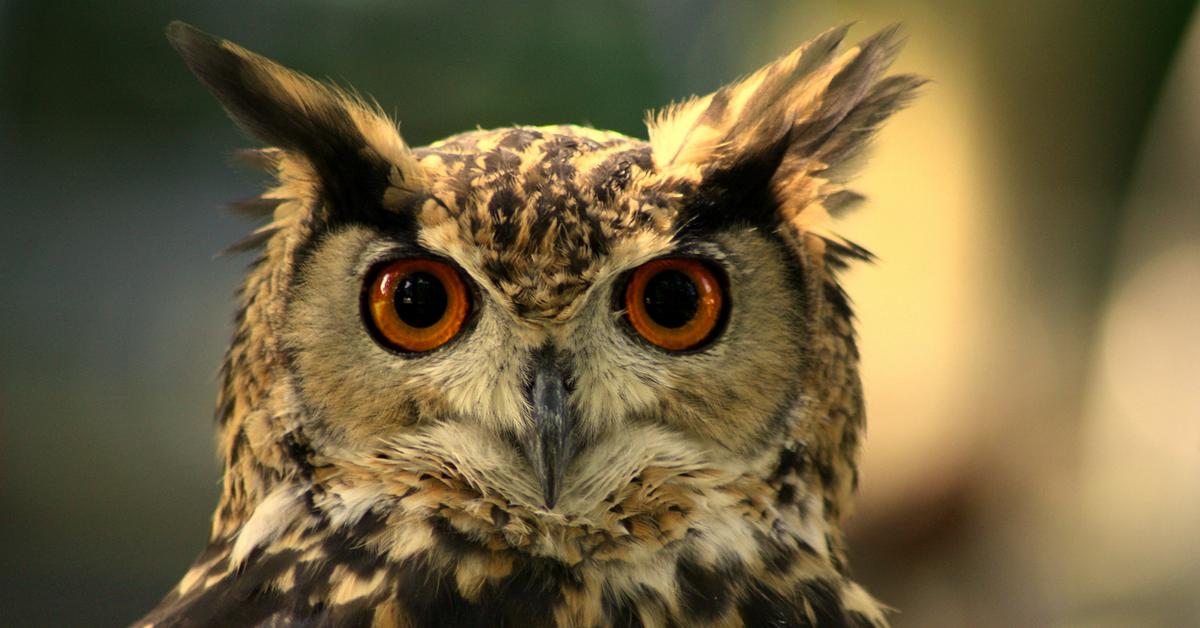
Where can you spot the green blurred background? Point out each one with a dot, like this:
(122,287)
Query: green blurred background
(1031,337)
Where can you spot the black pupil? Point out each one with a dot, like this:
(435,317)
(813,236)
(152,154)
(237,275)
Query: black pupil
(671,298)
(420,299)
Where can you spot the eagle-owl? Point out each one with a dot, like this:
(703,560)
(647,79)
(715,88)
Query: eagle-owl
(543,376)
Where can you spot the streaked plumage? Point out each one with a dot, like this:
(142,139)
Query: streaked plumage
(705,487)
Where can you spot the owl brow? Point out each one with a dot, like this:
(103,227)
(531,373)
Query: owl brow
(699,248)
(399,250)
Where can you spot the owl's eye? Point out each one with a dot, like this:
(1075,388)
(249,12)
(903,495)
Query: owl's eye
(416,305)
(675,303)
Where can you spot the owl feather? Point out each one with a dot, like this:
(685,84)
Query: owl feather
(571,452)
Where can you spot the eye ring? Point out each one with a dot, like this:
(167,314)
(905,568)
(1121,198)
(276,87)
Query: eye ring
(675,303)
(415,305)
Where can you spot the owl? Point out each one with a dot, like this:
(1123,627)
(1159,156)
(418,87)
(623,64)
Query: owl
(543,376)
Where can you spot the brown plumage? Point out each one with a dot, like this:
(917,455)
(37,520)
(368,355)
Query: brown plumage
(547,465)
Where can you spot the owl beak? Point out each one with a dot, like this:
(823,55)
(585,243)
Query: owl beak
(550,445)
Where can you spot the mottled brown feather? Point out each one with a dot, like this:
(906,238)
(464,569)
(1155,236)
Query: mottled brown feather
(365,488)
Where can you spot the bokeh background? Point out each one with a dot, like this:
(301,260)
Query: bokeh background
(1031,334)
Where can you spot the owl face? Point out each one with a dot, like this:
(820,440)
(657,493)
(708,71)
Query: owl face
(614,341)
(578,314)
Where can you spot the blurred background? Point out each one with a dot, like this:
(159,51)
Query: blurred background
(1031,334)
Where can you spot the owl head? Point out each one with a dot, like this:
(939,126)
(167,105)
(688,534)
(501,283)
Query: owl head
(557,341)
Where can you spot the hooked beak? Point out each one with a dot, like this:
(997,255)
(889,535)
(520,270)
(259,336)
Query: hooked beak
(550,445)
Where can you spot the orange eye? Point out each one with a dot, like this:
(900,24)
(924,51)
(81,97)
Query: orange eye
(674,303)
(416,304)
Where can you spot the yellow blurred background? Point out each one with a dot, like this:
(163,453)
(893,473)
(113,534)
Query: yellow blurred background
(1030,335)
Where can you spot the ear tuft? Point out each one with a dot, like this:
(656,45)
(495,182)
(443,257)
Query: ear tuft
(777,146)
(800,99)
(269,101)
(355,150)
(757,109)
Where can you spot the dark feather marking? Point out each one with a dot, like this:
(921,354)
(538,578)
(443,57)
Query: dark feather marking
(775,552)
(735,194)
(300,452)
(768,609)
(838,252)
(451,541)
(619,611)
(771,609)
(825,600)
(786,495)
(348,548)
(527,597)
(835,553)
(239,599)
(825,470)
(432,599)
(501,207)
(357,614)
(792,459)
(839,301)
(706,593)
(520,138)
(611,176)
